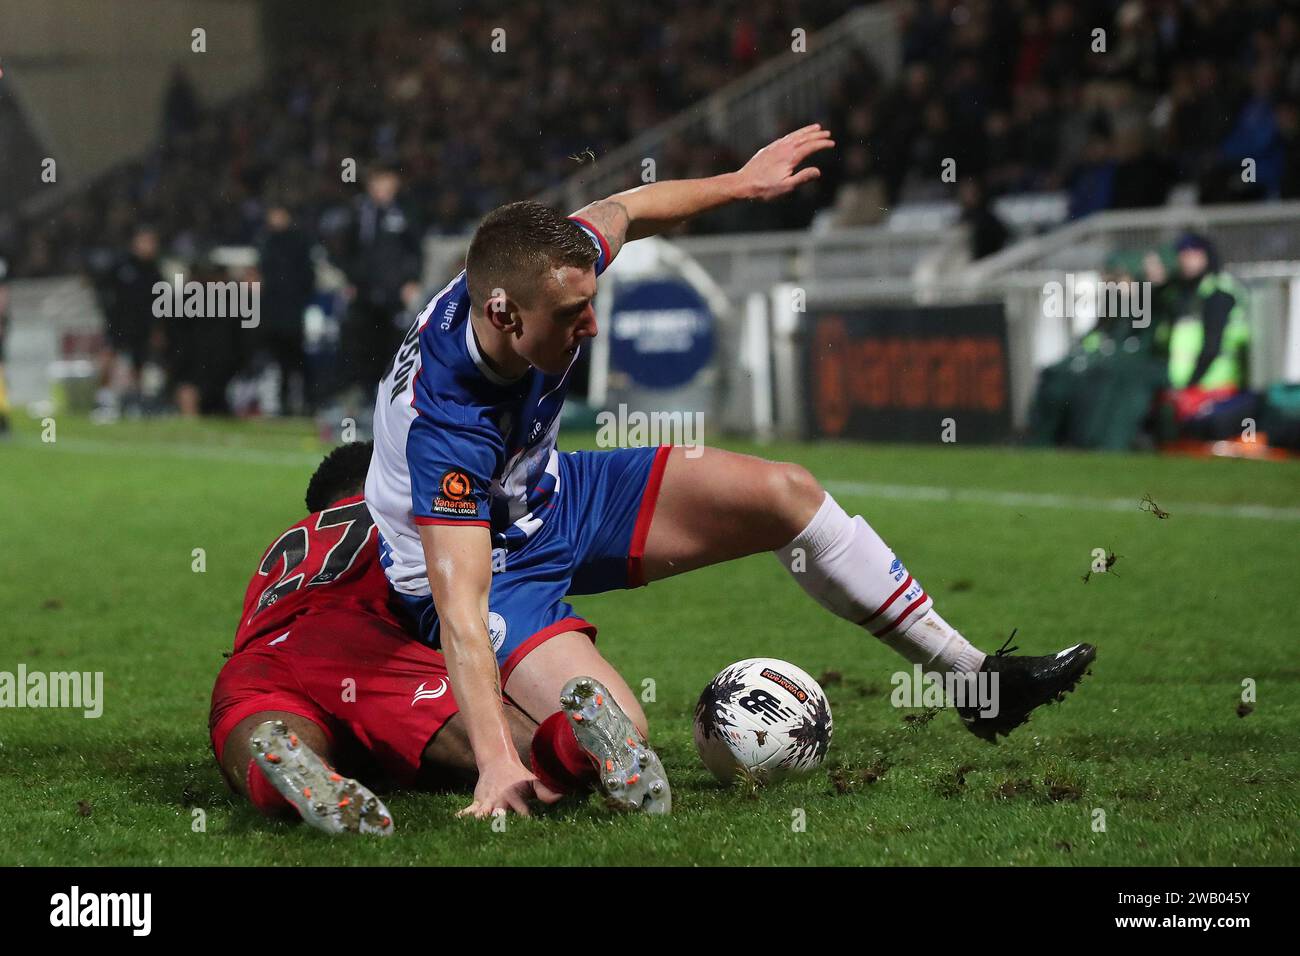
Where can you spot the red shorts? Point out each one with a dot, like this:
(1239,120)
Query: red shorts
(346,671)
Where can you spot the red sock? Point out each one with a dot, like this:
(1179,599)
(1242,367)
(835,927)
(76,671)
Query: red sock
(557,759)
(263,793)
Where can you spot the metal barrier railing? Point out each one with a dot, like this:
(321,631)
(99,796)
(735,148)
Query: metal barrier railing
(741,262)
(1247,232)
(745,114)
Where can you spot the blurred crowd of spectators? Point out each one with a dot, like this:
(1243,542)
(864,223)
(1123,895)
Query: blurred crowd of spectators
(1025,96)
(1028,97)
(468,127)
(1111,101)
(354,149)
(351,152)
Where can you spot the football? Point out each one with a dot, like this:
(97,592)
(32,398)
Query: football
(762,719)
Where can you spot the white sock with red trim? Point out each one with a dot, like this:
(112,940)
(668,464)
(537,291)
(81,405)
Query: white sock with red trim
(847,569)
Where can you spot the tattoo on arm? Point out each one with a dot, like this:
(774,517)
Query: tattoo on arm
(610,218)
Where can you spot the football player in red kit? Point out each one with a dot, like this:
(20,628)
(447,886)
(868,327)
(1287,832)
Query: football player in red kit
(323,663)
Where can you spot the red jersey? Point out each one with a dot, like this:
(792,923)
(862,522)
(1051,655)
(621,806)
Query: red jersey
(328,560)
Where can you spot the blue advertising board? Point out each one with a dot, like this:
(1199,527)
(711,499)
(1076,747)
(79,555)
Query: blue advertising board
(661,332)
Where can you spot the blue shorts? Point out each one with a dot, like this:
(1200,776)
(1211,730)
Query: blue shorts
(593,540)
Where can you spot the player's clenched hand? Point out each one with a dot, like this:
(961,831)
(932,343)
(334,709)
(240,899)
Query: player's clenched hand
(503,785)
(774,170)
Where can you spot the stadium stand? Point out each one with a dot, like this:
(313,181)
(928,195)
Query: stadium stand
(1009,90)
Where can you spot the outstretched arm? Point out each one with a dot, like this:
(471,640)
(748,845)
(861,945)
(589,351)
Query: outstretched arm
(772,172)
(459,559)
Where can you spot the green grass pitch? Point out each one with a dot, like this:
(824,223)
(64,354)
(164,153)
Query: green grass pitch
(100,526)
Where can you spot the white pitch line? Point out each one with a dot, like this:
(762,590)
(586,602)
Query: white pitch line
(1025,499)
(126,449)
(1001,499)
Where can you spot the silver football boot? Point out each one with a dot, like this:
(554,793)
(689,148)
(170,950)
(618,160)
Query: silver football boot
(631,775)
(326,799)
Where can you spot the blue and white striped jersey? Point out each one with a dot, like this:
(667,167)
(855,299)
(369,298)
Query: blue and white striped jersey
(457,443)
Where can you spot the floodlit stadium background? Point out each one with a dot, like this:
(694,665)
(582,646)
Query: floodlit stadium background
(144,130)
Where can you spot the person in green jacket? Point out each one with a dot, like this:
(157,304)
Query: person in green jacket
(1101,394)
(1208,340)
